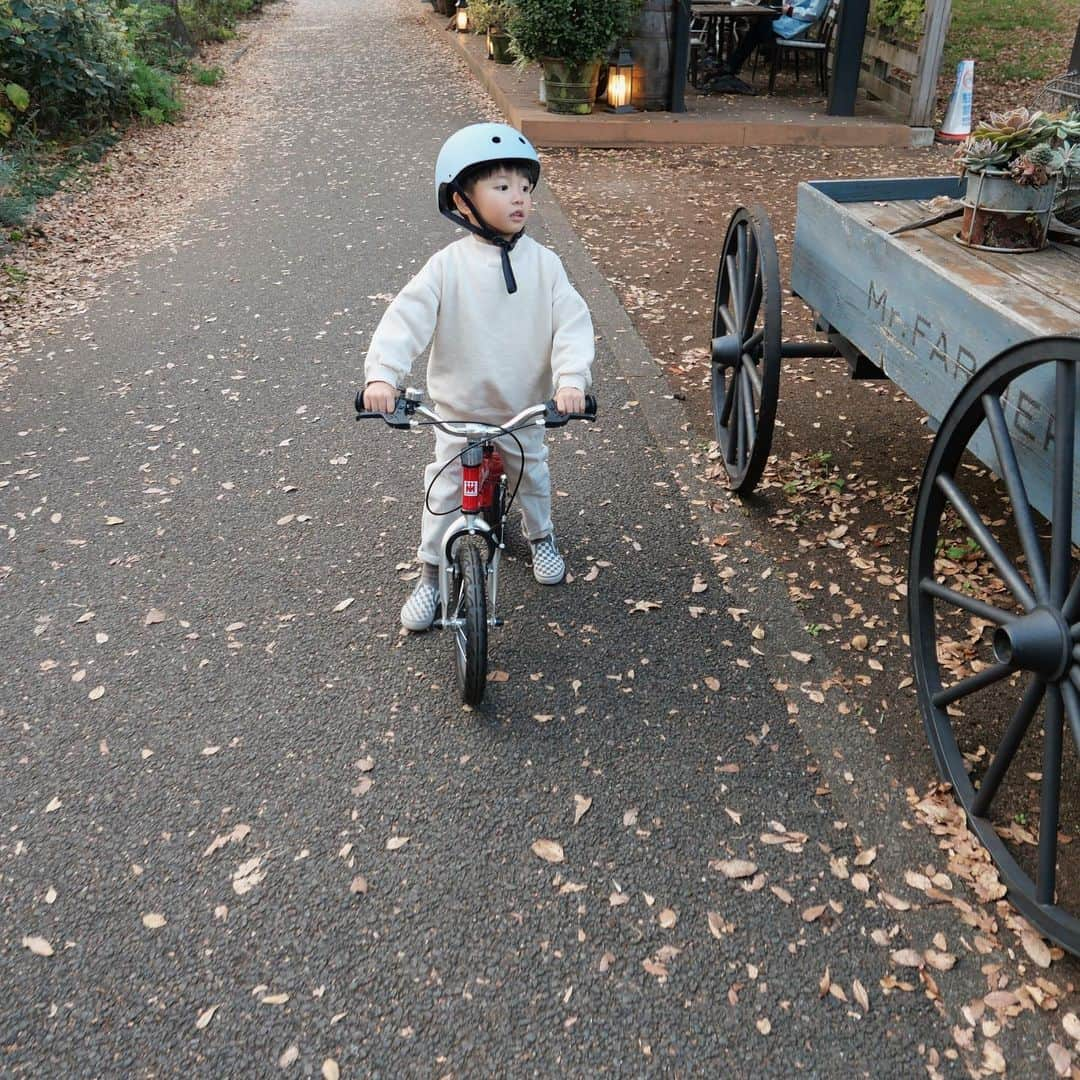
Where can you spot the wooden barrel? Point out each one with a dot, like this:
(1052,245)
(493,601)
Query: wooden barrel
(652,47)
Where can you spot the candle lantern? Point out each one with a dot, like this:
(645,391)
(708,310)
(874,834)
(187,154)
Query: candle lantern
(620,85)
(490,46)
(461,8)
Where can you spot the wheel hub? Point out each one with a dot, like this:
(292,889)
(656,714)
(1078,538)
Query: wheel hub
(727,350)
(1039,642)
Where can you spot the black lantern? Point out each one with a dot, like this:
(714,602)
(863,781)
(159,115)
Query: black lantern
(461,8)
(620,83)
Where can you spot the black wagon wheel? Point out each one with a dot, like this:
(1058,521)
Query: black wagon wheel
(468,605)
(746,347)
(994,610)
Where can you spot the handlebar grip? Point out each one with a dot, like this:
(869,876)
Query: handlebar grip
(399,418)
(554,418)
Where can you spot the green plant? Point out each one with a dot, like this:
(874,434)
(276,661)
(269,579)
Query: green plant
(70,55)
(153,94)
(213,75)
(14,95)
(576,31)
(904,17)
(1027,145)
(486,14)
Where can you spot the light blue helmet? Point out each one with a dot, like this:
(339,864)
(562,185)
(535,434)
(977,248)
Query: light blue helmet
(475,145)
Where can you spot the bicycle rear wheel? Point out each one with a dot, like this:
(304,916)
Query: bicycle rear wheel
(469,606)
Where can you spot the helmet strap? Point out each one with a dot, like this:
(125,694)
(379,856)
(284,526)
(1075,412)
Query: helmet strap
(485,232)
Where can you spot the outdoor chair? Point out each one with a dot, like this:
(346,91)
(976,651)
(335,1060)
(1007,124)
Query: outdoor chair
(815,44)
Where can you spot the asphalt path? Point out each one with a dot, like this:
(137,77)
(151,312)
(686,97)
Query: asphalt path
(212,763)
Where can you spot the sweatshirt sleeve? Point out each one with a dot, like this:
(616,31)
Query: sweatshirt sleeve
(405,328)
(572,343)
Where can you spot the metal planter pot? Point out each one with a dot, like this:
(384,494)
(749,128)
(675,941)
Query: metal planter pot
(1002,215)
(500,47)
(570,87)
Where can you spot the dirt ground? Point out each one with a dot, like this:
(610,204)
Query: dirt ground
(833,510)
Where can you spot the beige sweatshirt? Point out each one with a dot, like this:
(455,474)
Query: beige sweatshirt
(493,353)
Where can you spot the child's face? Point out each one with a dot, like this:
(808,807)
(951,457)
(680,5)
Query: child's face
(503,200)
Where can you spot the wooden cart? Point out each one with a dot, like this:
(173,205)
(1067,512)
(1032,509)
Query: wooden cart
(988,344)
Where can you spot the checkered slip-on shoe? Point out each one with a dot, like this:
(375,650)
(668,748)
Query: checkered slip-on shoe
(548,565)
(418,612)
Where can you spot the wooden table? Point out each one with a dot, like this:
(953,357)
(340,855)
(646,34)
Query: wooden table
(722,15)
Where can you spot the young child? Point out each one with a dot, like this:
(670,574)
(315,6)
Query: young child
(507,329)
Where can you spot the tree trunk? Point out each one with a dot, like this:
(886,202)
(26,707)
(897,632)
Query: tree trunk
(174,27)
(1074,60)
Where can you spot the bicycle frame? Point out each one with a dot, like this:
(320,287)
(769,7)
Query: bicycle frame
(481,476)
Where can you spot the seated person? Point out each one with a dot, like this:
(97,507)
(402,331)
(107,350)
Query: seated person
(794,22)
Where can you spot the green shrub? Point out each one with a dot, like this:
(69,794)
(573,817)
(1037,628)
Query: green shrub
(71,55)
(484,14)
(214,20)
(12,96)
(153,94)
(572,30)
(902,17)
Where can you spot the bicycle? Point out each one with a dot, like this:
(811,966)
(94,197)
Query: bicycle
(468,581)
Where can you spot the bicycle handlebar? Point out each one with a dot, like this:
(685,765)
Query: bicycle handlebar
(401,417)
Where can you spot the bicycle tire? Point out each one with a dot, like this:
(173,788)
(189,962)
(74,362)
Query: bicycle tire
(469,605)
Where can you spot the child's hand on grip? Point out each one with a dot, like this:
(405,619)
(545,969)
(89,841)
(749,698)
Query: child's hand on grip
(380,397)
(570,400)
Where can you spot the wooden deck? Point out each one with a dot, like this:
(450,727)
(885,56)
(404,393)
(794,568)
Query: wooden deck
(793,118)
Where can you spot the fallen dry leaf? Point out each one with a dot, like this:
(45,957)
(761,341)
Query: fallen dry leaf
(206,1016)
(1036,948)
(667,918)
(39,946)
(734,868)
(581,807)
(393,843)
(153,920)
(549,850)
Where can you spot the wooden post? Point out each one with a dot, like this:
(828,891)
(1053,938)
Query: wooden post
(924,86)
(1074,60)
(850,34)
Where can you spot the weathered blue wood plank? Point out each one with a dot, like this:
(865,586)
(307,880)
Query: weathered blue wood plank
(928,313)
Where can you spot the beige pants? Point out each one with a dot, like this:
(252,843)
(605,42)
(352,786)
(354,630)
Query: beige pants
(533,495)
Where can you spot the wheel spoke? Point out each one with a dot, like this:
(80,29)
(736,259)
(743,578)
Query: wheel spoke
(753,306)
(735,291)
(1010,743)
(1064,434)
(753,342)
(1014,481)
(750,283)
(986,541)
(740,428)
(751,371)
(729,319)
(729,396)
(1051,800)
(747,403)
(1071,608)
(972,684)
(968,603)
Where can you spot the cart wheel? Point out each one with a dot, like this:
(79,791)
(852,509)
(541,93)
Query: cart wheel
(469,606)
(746,347)
(994,611)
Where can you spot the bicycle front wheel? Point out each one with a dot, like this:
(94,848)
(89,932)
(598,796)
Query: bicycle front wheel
(469,605)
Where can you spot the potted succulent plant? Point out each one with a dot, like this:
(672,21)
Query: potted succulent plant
(568,38)
(1012,163)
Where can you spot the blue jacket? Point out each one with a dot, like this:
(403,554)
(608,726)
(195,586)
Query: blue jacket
(801,19)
